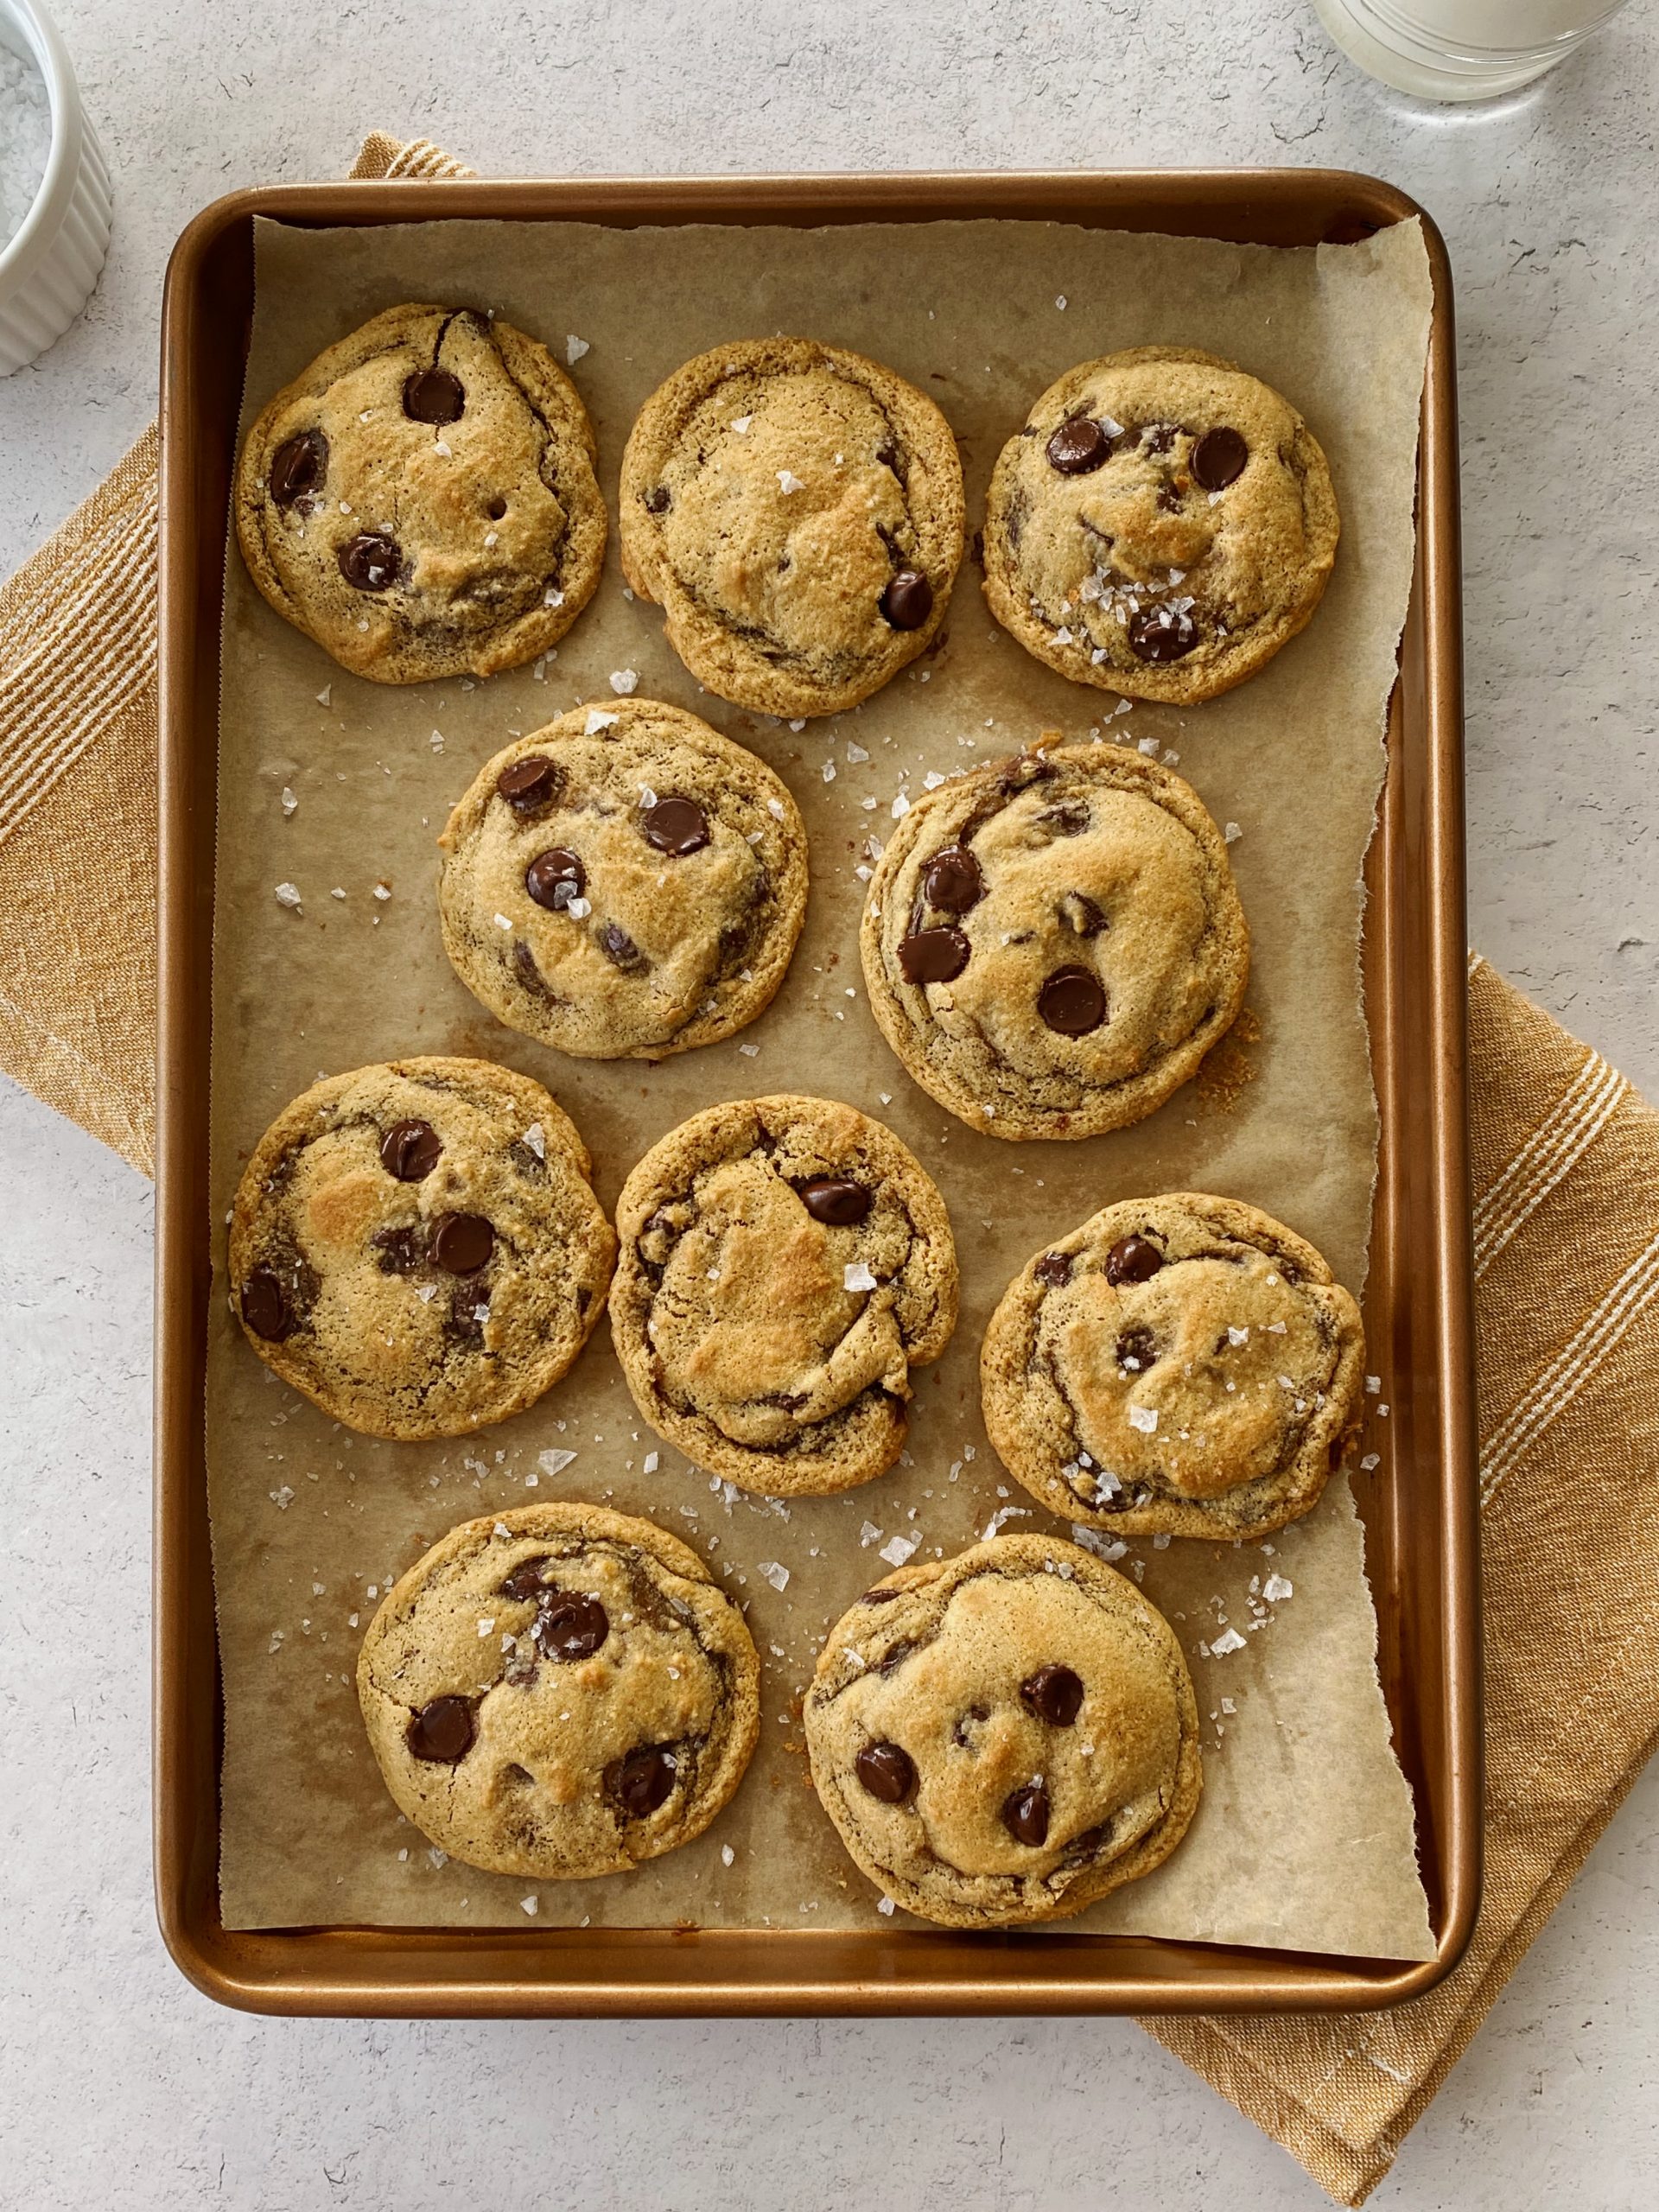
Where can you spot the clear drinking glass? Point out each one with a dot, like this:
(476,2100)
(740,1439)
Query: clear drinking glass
(1461,49)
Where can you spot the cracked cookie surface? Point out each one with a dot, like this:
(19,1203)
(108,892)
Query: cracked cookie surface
(559,1692)
(1162,524)
(797,511)
(415,1248)
(651,874)
(784,1263)
(1004,1736)
(1182,1364)
(422,500)
(1052,943)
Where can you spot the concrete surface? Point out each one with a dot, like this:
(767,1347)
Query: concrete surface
(120,2088)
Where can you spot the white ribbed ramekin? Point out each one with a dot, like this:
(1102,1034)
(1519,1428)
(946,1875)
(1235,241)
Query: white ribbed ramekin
(48,272)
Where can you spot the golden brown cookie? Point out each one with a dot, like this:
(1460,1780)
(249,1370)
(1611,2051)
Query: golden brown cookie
(1004,1736)
(1052,943)
(785,1263)
(1162,524)
(1182,1364)
(626,882)
(559,1692)
(415,1246)
(422,500)
(797,511)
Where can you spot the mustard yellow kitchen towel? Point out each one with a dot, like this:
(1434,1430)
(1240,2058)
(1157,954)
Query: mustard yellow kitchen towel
(1567,1250)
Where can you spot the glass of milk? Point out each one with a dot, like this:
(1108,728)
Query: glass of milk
(1461,49)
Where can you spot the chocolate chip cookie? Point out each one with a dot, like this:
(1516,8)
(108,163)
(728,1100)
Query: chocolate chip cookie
(624,883)
(785,1263)
(1004,1736)
(559,1692)
(1161,525)
(1052,943)
(1181,1363)
(415,1248)
(797,511)
(422,501)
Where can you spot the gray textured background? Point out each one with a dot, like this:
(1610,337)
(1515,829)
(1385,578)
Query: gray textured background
(118,2085)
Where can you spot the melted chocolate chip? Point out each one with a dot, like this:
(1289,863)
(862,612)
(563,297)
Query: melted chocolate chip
(880,1597)
(434,395)
(1072,1001)
(887,1771)
(1159,436)
(963,1727)
(1081,915)
(1054,1694)
(264,1308)
(1025,1813)
(1068,820)
(298,467)
(441,1732)
(676,826)
(619,948)
(410,1150)
(908,599)
(569,1624)
(1133,1259)
(371,561)
(657,499)
(1079,446)
(399,1251)
(1218,459)
(953,880)
(933,956)
(1159,633)
(529,783)
(462,1243)
(555,878)
(1054,1269)
(525,1580)
(836,1200)
(644,1780)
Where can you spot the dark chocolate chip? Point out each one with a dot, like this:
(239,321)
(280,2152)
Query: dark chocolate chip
(963,1727)
(1072,1001)
(529,783)
(1081,915)
(880,1597)
(676,826)
(570,1624)
(1054,1269)
(1064,821)
(887,1771)
(434,395)
(1134,1258)
(555,878)
(836,1200)
(933,956)
(1054,1694)
(462,1243)
(298,467)
(644,1780)
(1025,1813)
(1159,436)
(410,1150)
(1160,633)
(657,499)
(371,561)
(399,1251)
(525,1580)
(619,947)
(1218,458)
(953,880)
(1079,446)
(263,1307)
(441,1732)
(908,599)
